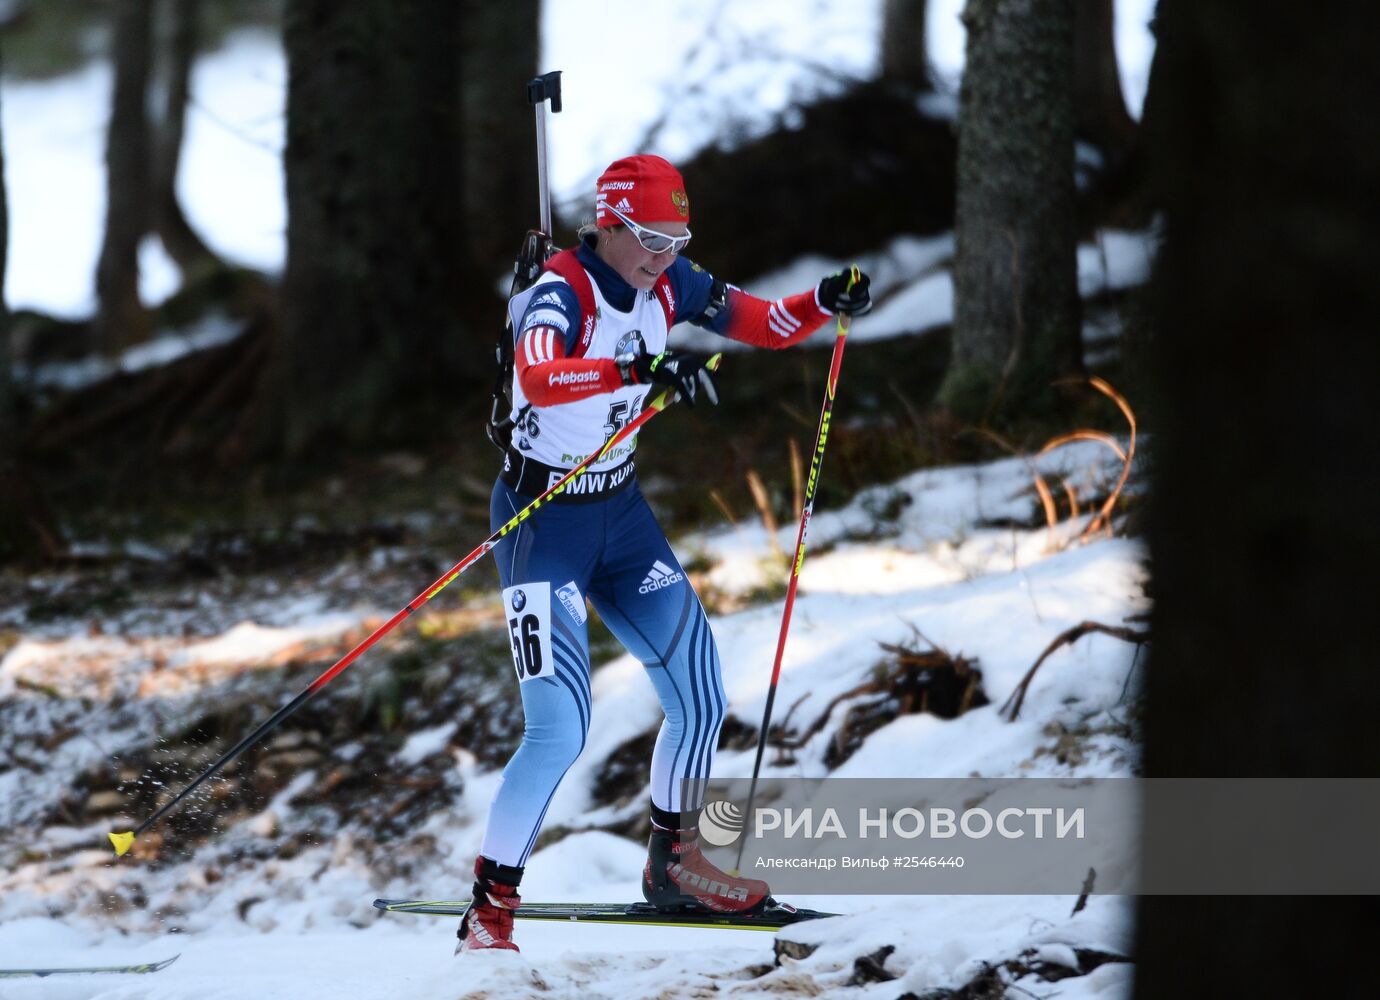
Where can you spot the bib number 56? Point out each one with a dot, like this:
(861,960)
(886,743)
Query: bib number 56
(527,607)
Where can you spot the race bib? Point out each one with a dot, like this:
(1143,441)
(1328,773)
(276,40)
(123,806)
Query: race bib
(527,609)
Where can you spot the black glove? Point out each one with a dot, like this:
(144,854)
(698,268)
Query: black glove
(835,295)
(682,370)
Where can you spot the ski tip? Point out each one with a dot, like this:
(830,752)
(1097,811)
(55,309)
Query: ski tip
(122,842)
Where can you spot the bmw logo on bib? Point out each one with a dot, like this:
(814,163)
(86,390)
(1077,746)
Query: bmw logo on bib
(519,600)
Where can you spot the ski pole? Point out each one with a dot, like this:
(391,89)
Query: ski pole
(811,486)
(123,841)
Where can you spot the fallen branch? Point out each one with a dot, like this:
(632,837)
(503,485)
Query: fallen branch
(1046,496)
(1013,704)
(909,682)
(795,743)
(1087,891)
(1104,516)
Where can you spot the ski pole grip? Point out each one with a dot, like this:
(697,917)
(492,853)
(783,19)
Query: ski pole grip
(546,87)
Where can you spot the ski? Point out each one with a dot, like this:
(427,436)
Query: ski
(774,917)
(88,971)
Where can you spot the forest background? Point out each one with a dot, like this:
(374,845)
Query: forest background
(358,377)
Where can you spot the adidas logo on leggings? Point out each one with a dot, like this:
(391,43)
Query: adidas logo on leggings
(660,575)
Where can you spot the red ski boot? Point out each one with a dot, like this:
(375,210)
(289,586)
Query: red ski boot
(679,877)
(488,923)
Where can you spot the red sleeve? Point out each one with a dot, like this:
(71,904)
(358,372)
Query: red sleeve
(773,324)
(548,377)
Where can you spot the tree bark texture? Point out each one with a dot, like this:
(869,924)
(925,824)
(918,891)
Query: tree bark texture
(1098,102)
(28,531)
(1263,531)
(179,239)
(13,533)
(6,376)
(500,155)
(1016,309)
(120,318)
(374,258)
(905,52)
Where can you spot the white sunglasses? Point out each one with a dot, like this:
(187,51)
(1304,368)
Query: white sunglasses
(651,240)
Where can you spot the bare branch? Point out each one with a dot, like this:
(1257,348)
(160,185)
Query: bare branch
(1013,704)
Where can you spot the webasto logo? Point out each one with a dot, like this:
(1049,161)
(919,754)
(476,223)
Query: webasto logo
(572,378)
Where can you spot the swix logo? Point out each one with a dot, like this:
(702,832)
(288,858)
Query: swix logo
(670,298)
(587,333)
(572,378)
(819,454)
(624,206)
(659,576)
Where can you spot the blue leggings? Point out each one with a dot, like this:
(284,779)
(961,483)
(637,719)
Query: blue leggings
(614,553)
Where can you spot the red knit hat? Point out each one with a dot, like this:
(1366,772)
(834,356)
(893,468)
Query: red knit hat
(646,189)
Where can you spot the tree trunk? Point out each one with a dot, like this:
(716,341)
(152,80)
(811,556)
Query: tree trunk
(905,54)
(1016,308)
(8,420)
(1102,118)
(179,239)
(120,319)
(27,529)
(500,158)
(1265,161)
(374,261)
